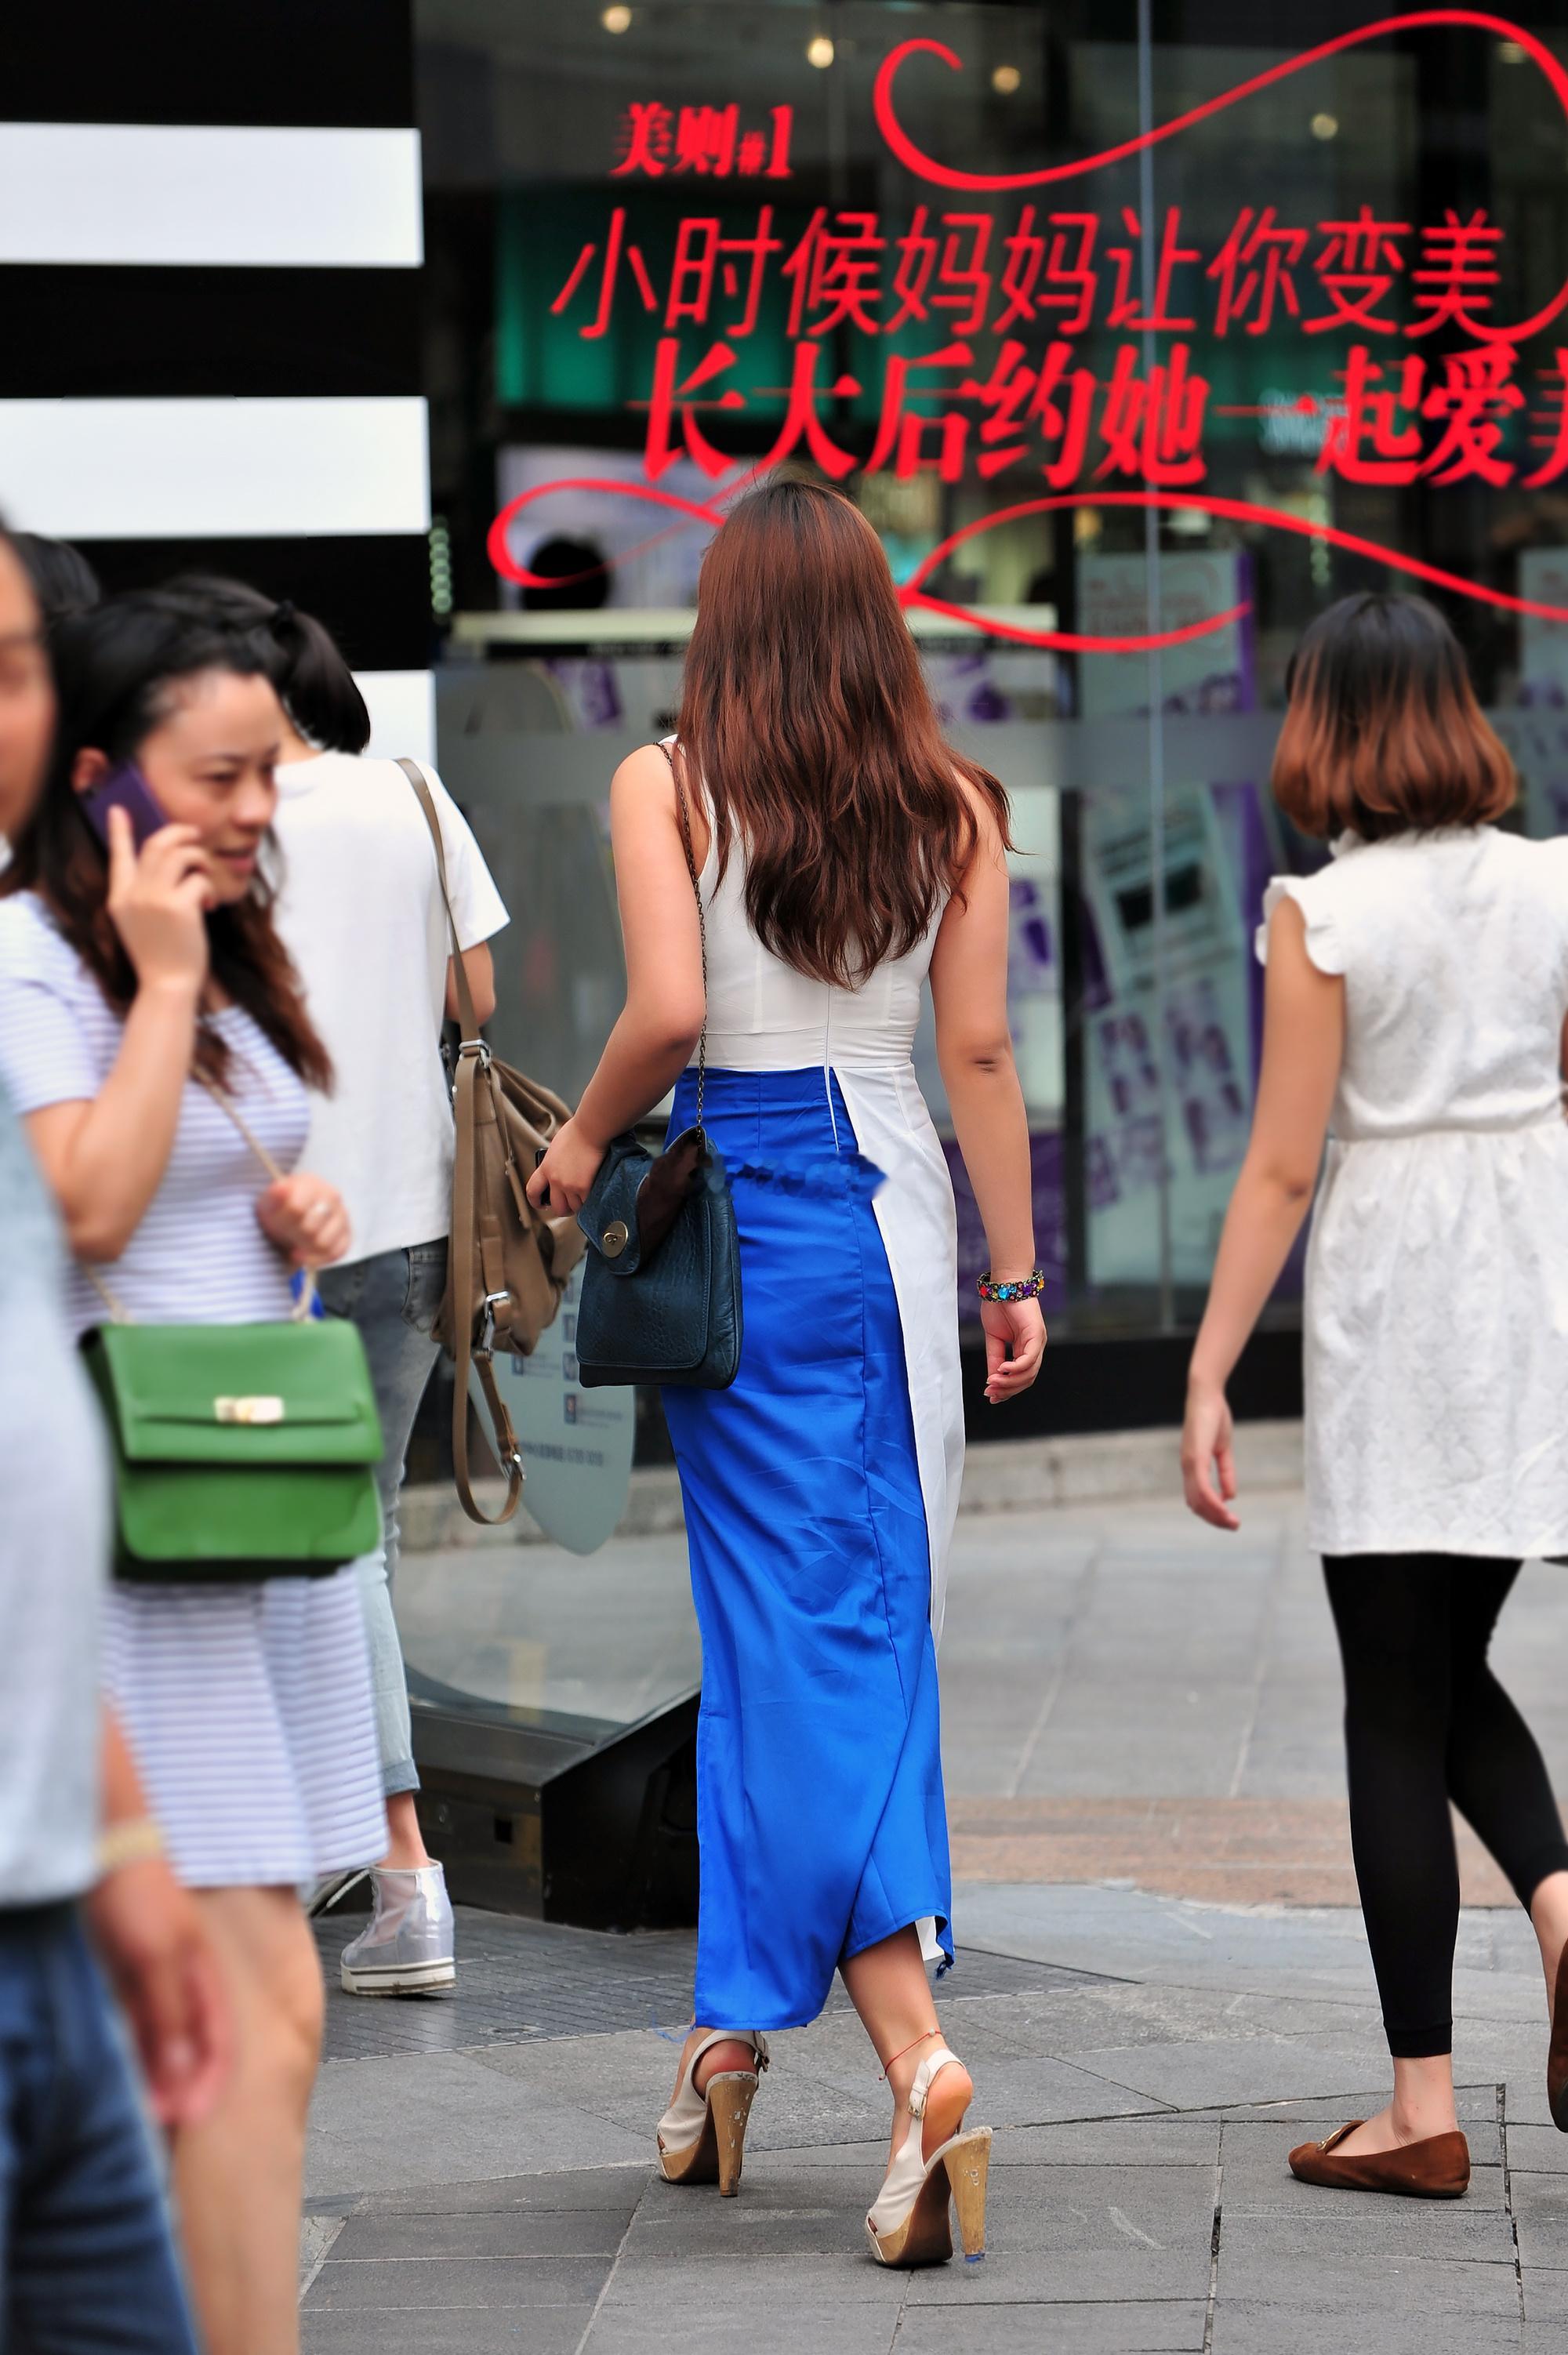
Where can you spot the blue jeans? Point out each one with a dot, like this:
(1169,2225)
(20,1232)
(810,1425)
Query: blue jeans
(86,2261)
(393,1298)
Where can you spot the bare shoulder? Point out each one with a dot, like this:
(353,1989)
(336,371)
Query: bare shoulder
(644,774)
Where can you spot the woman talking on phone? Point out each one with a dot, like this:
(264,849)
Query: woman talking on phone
(842,855)
(153,1035)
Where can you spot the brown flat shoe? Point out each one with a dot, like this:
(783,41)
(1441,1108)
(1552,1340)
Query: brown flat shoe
(1437,2169)
(1557,2056)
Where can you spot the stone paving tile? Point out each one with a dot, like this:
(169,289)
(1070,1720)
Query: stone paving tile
(1300,2327)
(374,2284)
(1333,2229)
(706,2329)
(437,2118)
(1353,2291)
(484,2233)
(1188,2076)
(458,2330)
(1541,2211)
(576,2190)
(659,2279)
(1159,2138)
(1050,2276)
(1537,2150)
(1105,2326)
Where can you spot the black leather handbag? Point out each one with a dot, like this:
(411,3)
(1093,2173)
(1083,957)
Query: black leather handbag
(661,1285)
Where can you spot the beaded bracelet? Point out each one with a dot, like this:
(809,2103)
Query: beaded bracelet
(1028,1287)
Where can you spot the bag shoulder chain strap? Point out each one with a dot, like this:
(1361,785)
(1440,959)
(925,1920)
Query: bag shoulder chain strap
(306,1301)
(701,923)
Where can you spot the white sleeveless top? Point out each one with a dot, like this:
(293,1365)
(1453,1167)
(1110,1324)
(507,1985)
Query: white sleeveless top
(764,1015)
(1436,1311)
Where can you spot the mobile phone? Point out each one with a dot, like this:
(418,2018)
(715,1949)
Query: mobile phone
(125,789)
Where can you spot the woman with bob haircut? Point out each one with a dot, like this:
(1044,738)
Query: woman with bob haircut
(842,854)
(1416,995)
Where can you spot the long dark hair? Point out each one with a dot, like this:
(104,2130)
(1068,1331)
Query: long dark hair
(804,712)
(317,684)
(1383,734)
(113,669)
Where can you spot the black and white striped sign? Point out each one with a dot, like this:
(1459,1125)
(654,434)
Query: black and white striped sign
(210,243)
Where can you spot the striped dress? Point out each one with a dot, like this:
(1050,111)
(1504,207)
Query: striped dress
(248,1706)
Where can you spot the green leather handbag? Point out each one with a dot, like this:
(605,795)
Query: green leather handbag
(241,1451)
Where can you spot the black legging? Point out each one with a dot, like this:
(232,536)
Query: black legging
(1427,1722)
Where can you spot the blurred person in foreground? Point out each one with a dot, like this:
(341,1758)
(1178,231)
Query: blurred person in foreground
(360,908)
(156,1046)
(86,2260)
(63,581)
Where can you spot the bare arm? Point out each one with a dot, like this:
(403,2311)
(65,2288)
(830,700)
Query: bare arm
(1303,1043)
(480,972)
(661,1021)
(105,1159)
(975,1052)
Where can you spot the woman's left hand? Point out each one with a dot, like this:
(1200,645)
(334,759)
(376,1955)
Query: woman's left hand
(568,1169)
(306,1218)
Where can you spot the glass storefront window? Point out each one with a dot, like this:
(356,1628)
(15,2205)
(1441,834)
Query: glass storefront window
(1126,413)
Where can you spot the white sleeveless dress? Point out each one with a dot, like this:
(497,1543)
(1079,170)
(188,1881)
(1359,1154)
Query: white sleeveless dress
(1436,1307)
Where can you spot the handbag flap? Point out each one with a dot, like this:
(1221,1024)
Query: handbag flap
(637,1197)
(278,1394)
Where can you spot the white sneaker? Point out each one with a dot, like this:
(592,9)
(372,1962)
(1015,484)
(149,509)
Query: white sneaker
(408,1947)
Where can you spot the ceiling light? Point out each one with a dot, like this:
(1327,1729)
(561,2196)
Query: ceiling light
(617,20)
(819,52)
(1324,126)
(1005,78)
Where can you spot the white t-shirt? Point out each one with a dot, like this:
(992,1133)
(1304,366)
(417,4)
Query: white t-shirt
(360,908)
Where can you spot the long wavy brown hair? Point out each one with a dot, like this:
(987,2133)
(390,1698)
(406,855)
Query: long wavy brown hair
(114,670)
(806,716)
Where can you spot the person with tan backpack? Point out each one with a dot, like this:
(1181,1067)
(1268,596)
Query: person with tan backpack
(362,908)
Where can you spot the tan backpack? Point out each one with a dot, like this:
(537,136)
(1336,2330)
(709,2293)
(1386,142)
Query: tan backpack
(506,1263)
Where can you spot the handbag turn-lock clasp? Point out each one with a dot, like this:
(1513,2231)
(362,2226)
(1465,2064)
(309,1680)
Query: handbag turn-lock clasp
(248,1410)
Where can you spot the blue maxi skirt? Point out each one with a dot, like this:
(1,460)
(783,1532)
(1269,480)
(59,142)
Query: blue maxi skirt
(821,1821)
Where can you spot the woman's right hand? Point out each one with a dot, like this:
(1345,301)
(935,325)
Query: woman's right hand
(1208,1462)
(1015,1344)
(158,899)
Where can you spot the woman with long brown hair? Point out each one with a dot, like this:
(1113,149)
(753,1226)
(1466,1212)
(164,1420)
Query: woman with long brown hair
(842,854)
(155,1039)
(1417,991)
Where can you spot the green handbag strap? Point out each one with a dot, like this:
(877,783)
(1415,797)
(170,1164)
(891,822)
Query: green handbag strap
(305,1304)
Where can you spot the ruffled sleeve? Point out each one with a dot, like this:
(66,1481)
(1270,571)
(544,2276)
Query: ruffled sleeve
(1323,943)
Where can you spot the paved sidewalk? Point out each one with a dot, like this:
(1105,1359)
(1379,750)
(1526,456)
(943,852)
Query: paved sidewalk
(479,2170)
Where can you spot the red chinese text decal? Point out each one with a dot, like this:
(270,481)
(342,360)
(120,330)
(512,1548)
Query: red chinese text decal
(951,340)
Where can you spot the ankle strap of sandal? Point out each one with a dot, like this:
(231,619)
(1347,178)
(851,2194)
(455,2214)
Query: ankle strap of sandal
(926,2075)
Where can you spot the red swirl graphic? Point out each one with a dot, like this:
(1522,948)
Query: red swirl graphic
(912,595)
(945,175)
